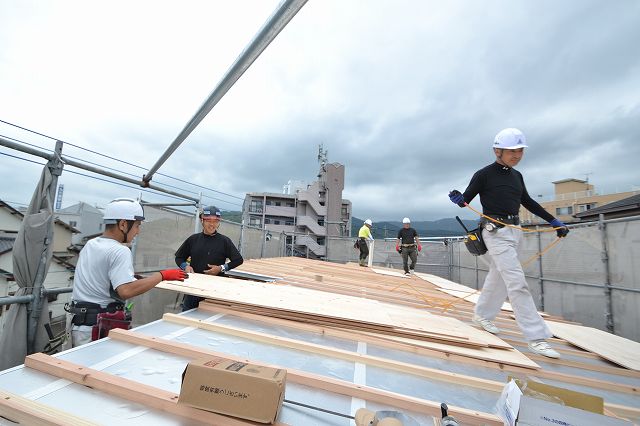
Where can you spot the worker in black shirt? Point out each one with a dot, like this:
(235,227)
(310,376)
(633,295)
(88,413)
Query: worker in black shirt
(209,251)
(408,245)
(502,191)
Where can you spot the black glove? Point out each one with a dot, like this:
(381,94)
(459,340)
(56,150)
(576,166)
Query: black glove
(456,198)
(561,229)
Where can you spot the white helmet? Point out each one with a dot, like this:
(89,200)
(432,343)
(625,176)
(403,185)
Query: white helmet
(368,222)
(406,220)
(510,139)
(123,208)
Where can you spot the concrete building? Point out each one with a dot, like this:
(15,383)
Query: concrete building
(572,196)
(307,215)
(87,219)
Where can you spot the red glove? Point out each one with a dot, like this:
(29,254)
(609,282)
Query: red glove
(173,275)
(419,247)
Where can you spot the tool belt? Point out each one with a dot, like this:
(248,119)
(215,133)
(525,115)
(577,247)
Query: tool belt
(474,243)
(86,313)
(409,245)
(509,220)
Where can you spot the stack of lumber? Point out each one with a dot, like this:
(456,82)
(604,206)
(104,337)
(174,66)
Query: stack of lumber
(313,298)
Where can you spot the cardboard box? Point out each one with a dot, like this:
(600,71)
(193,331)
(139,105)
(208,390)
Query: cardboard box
(542,405)
(238,389)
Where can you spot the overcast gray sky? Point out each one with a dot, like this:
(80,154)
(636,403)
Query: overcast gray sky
(408,95)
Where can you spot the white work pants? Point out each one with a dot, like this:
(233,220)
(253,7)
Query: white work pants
(506,278)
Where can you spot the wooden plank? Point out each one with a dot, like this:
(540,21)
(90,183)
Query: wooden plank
(20,410)
(127,389)
(429,373)
(310,302)
(614,348)
(329,384)
(478,356)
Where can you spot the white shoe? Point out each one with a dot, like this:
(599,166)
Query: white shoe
(486,324)
(406,274)
(541,347)
(411,271)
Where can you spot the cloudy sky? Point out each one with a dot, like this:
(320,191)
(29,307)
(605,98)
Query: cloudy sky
(408,95)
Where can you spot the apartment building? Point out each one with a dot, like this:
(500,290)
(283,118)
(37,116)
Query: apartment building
(572,196)
(307,214)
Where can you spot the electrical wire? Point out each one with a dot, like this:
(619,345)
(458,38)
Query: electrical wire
(115,159)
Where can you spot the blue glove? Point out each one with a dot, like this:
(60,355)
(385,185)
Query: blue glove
(561,228)
(456,198)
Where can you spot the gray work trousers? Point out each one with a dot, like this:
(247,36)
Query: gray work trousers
(506,279)
(409,252)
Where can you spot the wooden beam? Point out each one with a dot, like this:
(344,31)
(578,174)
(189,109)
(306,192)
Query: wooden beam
(397,366)
(127,389)
(429,373)
(20,410)
(315,380)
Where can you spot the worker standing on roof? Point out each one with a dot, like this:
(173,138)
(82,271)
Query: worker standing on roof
(104,277)
(502,191)
(209,251)
(364,235)
(408,245)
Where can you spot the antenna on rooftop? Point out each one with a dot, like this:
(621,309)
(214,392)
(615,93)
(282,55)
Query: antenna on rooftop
(587,176)
(322,155)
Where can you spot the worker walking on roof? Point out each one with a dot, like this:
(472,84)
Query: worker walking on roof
(209,251)
(408,245)
(104,277)
(364,235)
(502,191)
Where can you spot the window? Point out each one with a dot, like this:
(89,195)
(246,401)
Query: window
(278,203)
(320,241)
(73,223)
(267,220)
(564,210)
(290,204)
(585,207)
(289,222)
(255,221)
(344,211)
(276,222)
(268,202)
(255,206)
(321,221)
(100,226)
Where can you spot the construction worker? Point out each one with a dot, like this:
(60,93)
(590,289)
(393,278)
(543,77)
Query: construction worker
(209,251)
(104,277)
(408,245)
(502,191)
(364,235)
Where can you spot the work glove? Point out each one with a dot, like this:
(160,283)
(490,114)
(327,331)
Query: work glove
(561,228)
(398,249)
(173,275)
(419,247)
(456,198)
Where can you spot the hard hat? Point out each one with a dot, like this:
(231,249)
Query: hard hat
(406,220)
(368,222)
(209,211)
(510,139)
(123,208)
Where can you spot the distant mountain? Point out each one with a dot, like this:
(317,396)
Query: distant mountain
(448,227)
(232,216)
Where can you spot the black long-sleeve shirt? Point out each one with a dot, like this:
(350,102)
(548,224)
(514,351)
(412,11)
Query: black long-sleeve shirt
(208,249)
(502,191)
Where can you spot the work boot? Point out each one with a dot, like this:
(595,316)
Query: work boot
(542,347)
(486,324)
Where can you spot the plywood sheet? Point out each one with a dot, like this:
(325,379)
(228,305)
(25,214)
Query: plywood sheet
(309,304)
(614,348)
(457,290)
